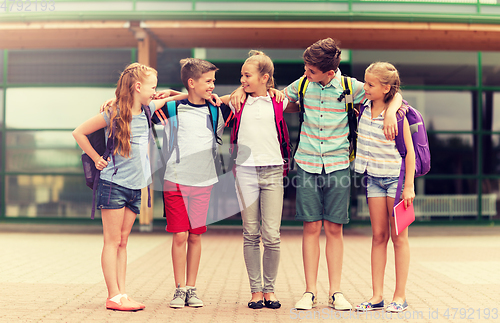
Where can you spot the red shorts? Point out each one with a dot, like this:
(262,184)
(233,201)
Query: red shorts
(186,207)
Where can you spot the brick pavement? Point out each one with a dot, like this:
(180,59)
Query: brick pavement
(48,276)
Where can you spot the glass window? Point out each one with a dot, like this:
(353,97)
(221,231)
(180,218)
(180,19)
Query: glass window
(443,110)
(47,196)
(1,66)
(491,190)
(491,154)
(168,67)
(452,154)
(491,68)
(492,117)
(67,66)
(422,67)
(42,151)
(53,108)
(1,107)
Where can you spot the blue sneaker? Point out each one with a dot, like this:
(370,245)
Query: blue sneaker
(367,306)
(397,307)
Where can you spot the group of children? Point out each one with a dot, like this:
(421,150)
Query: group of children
(260,164)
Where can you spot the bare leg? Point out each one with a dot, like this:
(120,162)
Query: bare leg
(334,254)
(193,258)
(379,218)
(310,254)
(179,242)
(402,258)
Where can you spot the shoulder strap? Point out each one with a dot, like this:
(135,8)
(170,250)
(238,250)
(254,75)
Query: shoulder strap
(304,82)
(347,87)
(214,120)
(174,127)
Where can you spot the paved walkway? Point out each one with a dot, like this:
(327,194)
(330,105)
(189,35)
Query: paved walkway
(56,277)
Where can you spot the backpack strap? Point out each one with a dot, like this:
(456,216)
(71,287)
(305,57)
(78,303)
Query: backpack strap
(233,148)
(214,120)
(303,83)
(352,120)
(283,136)
(173,121)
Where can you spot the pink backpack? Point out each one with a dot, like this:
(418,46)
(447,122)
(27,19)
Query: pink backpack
(281,129)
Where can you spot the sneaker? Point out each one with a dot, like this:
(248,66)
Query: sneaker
(179,298)
(307,302)
(397,307)
(192,299)
(367,306)
(338,302)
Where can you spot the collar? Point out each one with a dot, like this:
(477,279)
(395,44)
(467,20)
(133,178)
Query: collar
(336,81)
(252,99)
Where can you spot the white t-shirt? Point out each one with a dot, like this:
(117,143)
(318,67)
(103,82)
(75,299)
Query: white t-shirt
(258,143)
(195,139)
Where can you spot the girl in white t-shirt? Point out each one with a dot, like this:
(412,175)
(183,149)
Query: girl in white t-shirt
(259,179)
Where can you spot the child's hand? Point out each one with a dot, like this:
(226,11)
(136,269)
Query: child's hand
(215,100)
(100,164)
(162,94)
(390,126)
(280,96)
(237,98)
(408,196)
(106,104)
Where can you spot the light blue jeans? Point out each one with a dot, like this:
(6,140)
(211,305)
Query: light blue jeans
(260,195)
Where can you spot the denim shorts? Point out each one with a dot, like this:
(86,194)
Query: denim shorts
(120,197)
(323,196)
(382,186)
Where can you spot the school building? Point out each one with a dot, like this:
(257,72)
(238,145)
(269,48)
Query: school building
(60,59)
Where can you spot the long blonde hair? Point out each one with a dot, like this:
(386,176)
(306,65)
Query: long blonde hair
(264,65)
(121,111)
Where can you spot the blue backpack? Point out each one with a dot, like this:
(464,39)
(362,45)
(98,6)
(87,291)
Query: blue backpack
(98,141)
(419,138)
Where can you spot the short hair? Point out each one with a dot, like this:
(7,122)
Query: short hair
(323,54)
(387,74)
(193,68)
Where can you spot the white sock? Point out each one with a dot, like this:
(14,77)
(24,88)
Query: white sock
(189,287)
(117,298)
(183,288)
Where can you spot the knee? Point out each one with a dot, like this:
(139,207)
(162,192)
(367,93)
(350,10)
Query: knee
(399,240)
(123,242)
(194,238)
(312,228)
(380,238)
(333,230)
(179,238)
(271,240)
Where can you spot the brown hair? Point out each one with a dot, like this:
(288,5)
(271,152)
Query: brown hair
(124,101)
(264,65)
(323,54)
(387,74)
(193,68)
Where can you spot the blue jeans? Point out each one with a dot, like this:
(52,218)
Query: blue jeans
(381,186)
(113,196)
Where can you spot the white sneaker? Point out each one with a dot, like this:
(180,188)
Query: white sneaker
(192,299)
(338,302)
(179,299)
(307,302)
